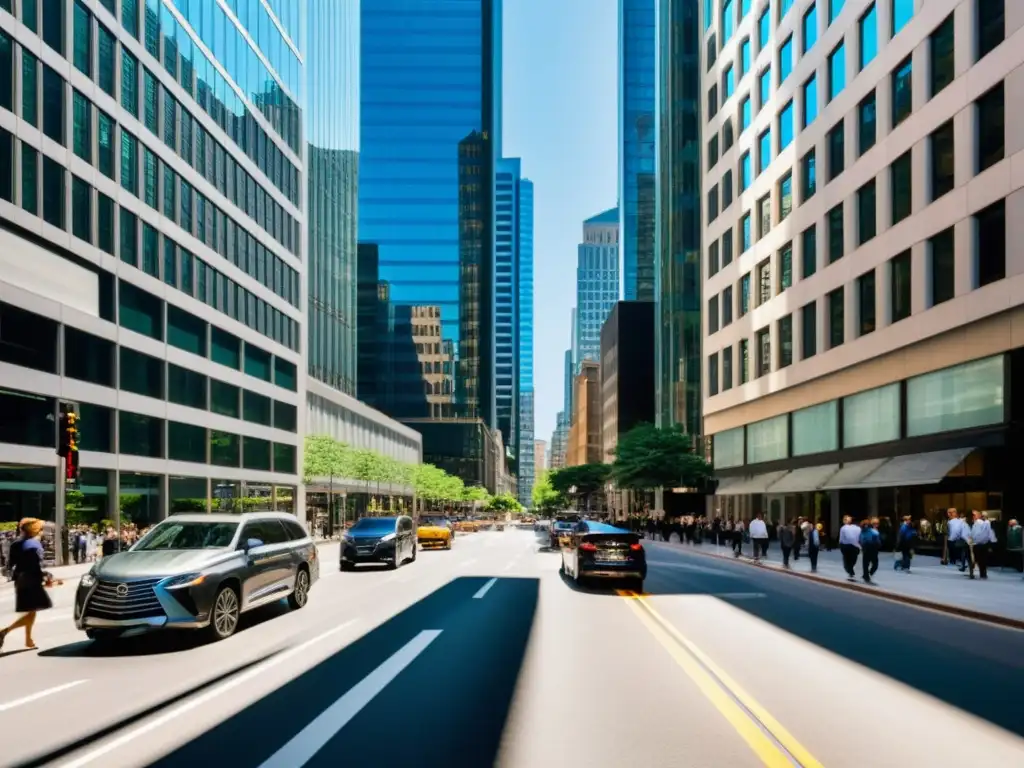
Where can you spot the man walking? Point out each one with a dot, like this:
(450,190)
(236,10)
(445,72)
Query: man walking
(981,537)
(787,540)
(849,546)
(759,536)
(813,545)
(956,539)
(870,544)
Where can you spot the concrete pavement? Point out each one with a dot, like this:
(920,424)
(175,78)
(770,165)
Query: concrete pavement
(484,655)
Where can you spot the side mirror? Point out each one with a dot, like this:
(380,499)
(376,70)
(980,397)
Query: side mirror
(253,543)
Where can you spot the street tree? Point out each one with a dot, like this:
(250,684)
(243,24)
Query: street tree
(648,457)
(580,482)
(505,502)
(544,497)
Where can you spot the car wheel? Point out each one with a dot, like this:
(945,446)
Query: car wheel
(300,594)
(394,562)
(224,616)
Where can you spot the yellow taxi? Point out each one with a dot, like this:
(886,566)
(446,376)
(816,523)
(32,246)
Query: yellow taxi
(435,531)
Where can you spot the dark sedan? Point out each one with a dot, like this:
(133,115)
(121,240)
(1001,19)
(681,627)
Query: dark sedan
(602,551)
(383,540)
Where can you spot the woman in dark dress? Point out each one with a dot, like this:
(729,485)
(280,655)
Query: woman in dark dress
(30,580)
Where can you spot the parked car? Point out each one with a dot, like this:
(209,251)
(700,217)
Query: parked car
(198,571)
(387,540)
(435,531)
(602,551)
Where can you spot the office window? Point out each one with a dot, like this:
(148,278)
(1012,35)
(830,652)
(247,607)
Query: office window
(785,196)
(866,302)
(727,247)
(106,53)
(140,435)
(810,28)
(54,185)
(745,238)
(867,215)
(728,83)
(728,25)
(834,7)
(713,259)
(785,59)
(786,126)
(712,203)
(745,8)
(711,51)
(810,100)
(744,361)
(129,226)
(902,12)
(835,234)
(764,282)
(713,315)
(53,24)
(990,25)
(868,36)
(713,151)
(713,374)
(130,83)
(808,176)
(712,101)
(784,6)
(764,84)
(990,238)
(81,131)
(899,286)
(836,151)
(942,160)
(808,331)
(764,150)
(785,331)
(763,362)
(727,306)
(866,124)
(170,136)
(836,71)
(991,126)
(726,368)
(785,267)
(151,101)
(745,114)
(744,56)
(53,105)
(941,44)
(150,185)
(943,261)
(726,190)
(81,209)
(764,28)
(744,171)
(901,187)
(809,251)
(129,162)
(105,143)
(836,318)
(744,295)
(902,96)
(82,44)
(29,179)
(150,251)
(764,216)
(104,223)
(141,374)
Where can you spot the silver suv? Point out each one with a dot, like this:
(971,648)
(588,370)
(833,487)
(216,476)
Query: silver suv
(198,571)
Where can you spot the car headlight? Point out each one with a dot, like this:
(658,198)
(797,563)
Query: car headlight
(185,580)
(87,580)
(389,537)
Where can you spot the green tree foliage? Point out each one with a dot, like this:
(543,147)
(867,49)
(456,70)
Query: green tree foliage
(647,457)
(544,497)
(505,502)
(324,456)
(580,482)
(475,493)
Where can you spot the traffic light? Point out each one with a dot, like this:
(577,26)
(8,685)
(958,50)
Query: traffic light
(67,443)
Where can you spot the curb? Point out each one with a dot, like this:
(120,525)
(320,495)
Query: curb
(953,610)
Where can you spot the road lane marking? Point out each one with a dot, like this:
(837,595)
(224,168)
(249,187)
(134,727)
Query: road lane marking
(41,694)
(765,735)
(484,589)
(314,737)
(213,693)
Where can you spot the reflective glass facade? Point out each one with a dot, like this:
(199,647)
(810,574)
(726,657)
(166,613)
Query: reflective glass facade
(333,166)
(526,467)
(636,146)
(506,298)
(678,315)
(429,115)
(597,283)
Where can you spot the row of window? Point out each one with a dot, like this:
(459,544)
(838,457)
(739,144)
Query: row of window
(107,430)
(147,100)
(989,258)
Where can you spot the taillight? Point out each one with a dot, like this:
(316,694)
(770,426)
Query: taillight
(588,547)
(637,547)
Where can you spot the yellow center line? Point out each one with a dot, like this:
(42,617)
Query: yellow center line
(723,692)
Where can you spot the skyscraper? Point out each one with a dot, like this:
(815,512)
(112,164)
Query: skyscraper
(677,326)
(506,299)
(597,283)
(637,74)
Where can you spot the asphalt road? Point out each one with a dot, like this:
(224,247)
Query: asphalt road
(484,655)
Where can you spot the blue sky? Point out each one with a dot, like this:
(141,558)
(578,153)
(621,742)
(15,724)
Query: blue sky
(560,106)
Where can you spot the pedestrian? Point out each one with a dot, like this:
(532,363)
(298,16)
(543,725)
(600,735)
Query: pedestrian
(30,580)
(981,537)
(787,540)
(737,539)
(905,540)
(849,546)
(956,539)
(813,545)
(759,536)
(870,545)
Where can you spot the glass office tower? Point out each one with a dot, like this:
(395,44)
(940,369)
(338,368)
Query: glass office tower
(597,284)
(527,468)
(506,298)
(677,273)
(151,222)
(430,115)
(637,71)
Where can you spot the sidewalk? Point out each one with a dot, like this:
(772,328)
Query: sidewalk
(929,583)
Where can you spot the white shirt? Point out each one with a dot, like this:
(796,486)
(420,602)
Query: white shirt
(955,530)
(850,534)
(981,533)
(758,530)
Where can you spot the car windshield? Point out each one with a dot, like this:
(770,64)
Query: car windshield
(436,521)
(188,535)
(375,525)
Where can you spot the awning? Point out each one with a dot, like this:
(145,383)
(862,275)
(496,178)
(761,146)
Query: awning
(752,484)
(852,474)
(726,484)
(804,479)
(916,469)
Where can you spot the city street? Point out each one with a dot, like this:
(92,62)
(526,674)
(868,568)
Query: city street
(484,655)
